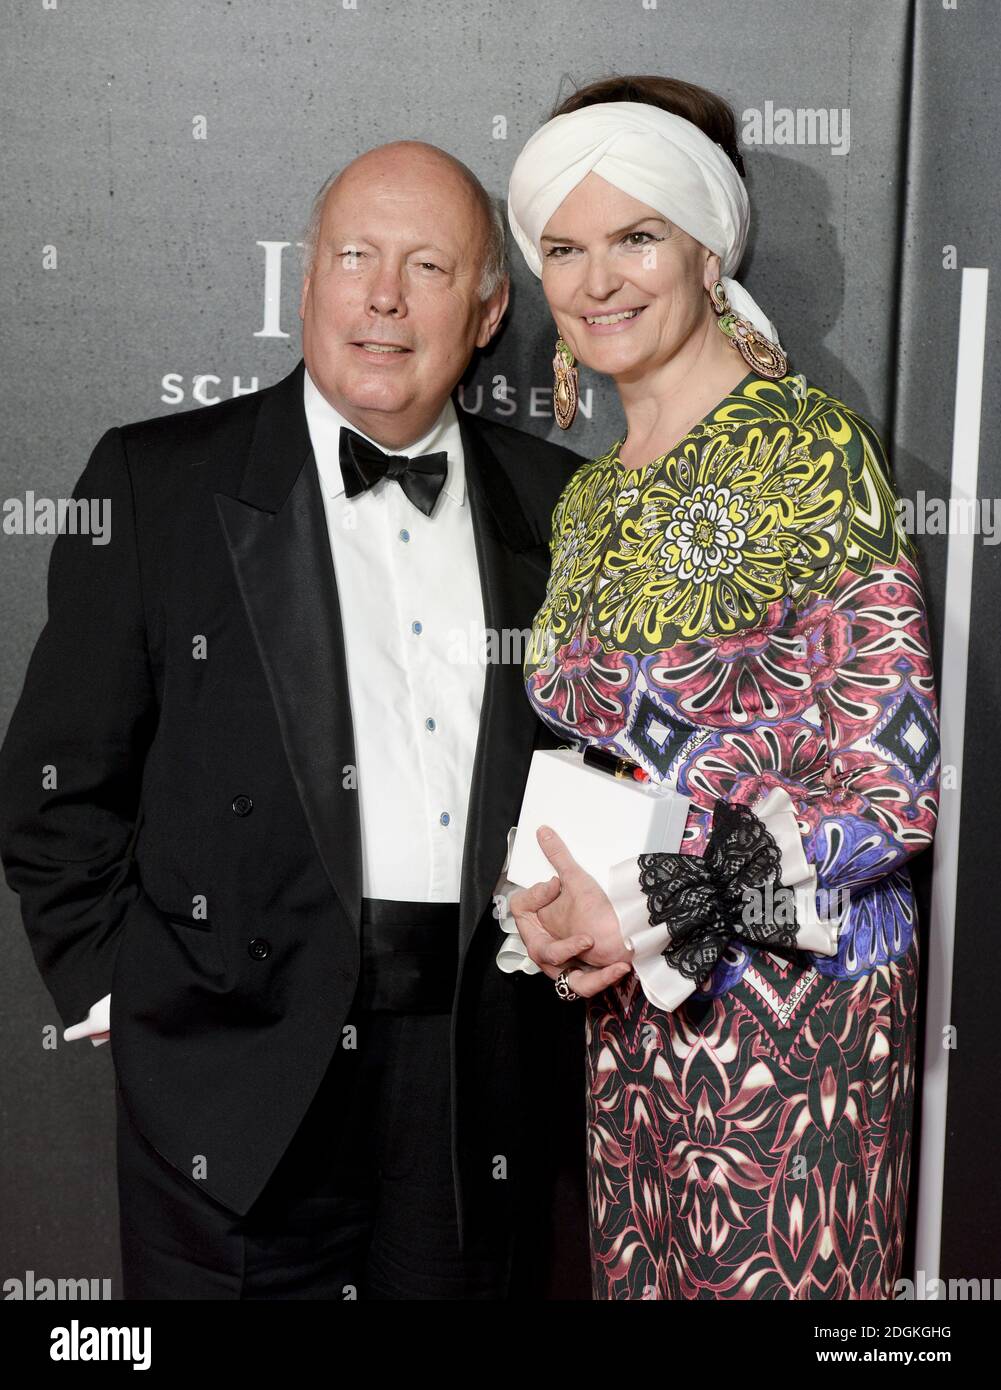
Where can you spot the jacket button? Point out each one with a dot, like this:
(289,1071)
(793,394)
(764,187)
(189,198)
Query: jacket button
(242,805)
(259,948)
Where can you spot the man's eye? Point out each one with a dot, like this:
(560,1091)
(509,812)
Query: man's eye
(430,265)
(351,255)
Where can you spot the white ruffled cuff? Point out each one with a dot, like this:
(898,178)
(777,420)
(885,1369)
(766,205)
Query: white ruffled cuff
(815,933)
(667,987)
(512,955)
(662,985)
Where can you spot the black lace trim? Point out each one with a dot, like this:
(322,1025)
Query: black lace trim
(707,901)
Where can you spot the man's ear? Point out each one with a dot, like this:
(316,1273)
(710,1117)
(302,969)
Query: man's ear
(493,312)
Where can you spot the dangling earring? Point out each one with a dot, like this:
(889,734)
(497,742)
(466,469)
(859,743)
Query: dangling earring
(757,350)
(564,385)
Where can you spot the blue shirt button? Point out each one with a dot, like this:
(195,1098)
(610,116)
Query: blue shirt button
(444,818)
(417,627)
(404,535)
(430,725)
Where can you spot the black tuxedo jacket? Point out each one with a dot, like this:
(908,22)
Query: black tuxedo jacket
(184,729)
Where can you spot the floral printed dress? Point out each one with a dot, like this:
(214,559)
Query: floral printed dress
(743,617)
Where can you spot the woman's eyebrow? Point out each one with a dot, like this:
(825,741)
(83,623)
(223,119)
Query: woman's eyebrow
(652,217)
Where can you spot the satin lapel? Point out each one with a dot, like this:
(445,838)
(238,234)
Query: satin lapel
(513,572)
(276,530)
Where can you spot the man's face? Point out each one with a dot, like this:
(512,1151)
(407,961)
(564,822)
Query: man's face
(398,263)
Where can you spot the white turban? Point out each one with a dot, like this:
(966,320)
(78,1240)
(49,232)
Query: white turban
(653,155)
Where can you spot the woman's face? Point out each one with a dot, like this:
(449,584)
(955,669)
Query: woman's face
(604,252)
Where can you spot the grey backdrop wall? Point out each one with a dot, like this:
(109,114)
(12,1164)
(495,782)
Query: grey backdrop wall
(157,168)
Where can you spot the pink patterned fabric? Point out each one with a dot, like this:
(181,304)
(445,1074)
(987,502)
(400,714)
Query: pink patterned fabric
(741,614)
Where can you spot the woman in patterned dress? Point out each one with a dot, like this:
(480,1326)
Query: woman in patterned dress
(733,606)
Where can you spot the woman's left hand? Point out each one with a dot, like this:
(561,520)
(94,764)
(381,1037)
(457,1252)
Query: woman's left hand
(581,908)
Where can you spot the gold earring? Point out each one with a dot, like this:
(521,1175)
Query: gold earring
(564,385)
(757,350)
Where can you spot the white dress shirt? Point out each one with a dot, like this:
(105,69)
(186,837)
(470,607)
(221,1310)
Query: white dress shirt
(412,614)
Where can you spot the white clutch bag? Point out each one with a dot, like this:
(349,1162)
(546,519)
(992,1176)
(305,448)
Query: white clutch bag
(602,819)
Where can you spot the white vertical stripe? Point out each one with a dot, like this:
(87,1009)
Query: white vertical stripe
(952,712)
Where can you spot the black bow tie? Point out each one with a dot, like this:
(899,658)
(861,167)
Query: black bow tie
(362,465)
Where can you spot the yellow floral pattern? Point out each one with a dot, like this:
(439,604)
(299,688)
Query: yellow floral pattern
(769,497)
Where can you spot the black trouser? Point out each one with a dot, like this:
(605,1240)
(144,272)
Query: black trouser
(361,1205)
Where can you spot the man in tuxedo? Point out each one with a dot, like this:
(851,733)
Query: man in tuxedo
(257,787)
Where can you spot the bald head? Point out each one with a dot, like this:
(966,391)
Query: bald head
(414,162)
(405,278)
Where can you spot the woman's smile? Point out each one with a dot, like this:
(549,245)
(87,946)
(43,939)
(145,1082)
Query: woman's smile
(612,321)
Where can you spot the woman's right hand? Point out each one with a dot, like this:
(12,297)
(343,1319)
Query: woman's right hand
(552,954)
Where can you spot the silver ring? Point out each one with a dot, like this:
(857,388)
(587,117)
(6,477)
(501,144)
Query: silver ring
(563,987)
